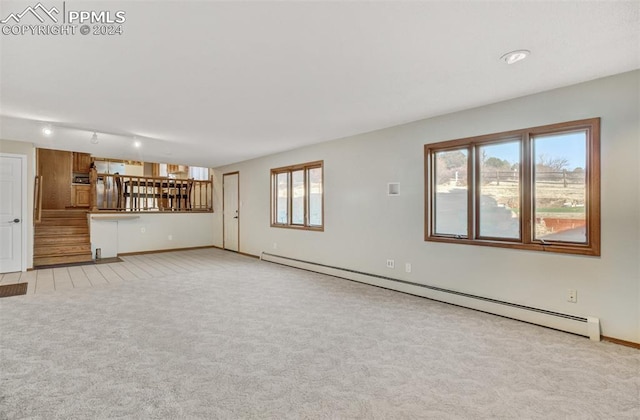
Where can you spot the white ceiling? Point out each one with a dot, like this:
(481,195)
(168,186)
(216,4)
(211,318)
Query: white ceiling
(209,83)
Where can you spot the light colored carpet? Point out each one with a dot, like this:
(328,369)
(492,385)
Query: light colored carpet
(250,339)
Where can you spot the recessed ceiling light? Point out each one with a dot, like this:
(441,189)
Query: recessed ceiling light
(47,130)
(137,144)
(94,138)
(515,56)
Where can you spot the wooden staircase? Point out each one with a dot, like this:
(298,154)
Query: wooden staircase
(62,237)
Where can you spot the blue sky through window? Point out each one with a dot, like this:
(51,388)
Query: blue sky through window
(570,146)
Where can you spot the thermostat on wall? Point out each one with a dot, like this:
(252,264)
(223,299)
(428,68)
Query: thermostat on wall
(393,188)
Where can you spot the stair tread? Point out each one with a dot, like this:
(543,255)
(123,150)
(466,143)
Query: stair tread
(43,252)
(58,249)
(65,216)
(54,227)
(67,235)
(65,213)
(69,229)
(70,254)
(78,252)
(86,252)
(80,217)
(62,222)
(40,261)
(48,243)
(61,239)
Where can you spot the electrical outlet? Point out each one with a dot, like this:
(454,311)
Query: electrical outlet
(170,237)
(572,295)
(275,245)
(143,230)
(391,264)
(407,267)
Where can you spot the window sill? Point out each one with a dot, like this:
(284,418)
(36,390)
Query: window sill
(311,228)
(575,249)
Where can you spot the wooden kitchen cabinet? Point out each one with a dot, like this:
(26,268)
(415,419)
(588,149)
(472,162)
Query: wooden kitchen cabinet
(81,162)
(174,169)
(81,195)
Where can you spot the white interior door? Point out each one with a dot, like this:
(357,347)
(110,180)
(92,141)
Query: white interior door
(11,231)
(230,213)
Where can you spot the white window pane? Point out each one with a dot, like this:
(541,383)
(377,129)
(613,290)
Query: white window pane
(315,196)
(450,201)
(196,172)
(560,162)
(282,209)
(499,190)
(298,196)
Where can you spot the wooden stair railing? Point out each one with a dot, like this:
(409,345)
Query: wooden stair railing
(93,182)
(115,192)
(37,199)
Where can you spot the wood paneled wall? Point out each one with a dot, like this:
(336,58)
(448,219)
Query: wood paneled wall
(55,167)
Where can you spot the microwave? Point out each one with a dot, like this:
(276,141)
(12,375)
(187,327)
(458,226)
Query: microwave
(81,180)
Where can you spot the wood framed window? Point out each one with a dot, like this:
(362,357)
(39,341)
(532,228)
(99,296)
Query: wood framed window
(536,188)
(297,196)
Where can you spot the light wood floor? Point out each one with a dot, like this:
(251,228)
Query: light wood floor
(131,268)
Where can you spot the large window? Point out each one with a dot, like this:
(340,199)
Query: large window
(537,188)
(297,197)
(197,172)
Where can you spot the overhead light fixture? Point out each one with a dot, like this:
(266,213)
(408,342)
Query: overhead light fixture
(94,138)
(515,56)
(136,143)
(47,130)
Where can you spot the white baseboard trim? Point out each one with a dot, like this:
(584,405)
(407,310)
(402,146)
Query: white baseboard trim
(585,326)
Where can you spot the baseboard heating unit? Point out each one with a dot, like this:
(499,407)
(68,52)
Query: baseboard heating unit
(585,326)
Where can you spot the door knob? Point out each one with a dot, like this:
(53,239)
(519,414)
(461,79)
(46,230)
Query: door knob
(14,221)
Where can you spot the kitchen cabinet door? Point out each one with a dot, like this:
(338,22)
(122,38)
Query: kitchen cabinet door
(81,162)
(82,195)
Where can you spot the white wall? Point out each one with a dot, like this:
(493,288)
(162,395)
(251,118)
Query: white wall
(364,226)
(119,234)
(21,148)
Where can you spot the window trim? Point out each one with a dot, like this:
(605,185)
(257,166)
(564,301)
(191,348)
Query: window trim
(304,167)
(527,219)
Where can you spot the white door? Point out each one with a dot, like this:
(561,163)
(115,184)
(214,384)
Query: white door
(230,214)
(11,232)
